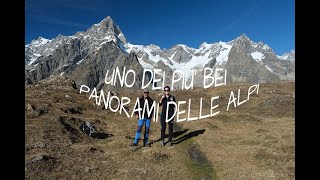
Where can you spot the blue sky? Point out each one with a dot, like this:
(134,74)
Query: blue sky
(169,22)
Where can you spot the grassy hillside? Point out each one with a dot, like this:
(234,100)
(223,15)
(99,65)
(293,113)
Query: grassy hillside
(253,141)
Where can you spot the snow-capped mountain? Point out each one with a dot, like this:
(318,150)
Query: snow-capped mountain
(35,49)
(105,43)
(182,57)
(93,38)
(288,56)
(84,56)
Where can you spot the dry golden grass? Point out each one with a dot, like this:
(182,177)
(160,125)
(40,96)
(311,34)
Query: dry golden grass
(254,140)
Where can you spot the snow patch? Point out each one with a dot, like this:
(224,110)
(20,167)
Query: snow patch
(80,61)
(257,56)
(255,45)
(144,64)
(224,53)
(282,57)
(107,38)
(265,47)
(173,55)
(131,47)
(269,69)
(40,42)
(204,46)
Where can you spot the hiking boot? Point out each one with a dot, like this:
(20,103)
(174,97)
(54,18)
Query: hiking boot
(169,144)
(162,143)
(134,144)
(146,145)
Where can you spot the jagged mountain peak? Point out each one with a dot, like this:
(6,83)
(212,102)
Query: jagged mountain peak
(262,46)
(107,19)
(244,37)
(40,41)
(251,47)
(183,47)
(241,40)
(204,44)
(153,46)
(40,38)
(102,37)
(60,36)
(288,56)
(107,28)
(108,23)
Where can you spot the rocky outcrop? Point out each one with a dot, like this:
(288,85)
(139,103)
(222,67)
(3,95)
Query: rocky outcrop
(92,70)
(60,60)
(242,68)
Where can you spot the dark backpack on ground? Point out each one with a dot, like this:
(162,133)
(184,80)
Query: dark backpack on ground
(88,128)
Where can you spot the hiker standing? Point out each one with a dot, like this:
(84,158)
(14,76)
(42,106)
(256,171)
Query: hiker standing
(144,119)
(167,97)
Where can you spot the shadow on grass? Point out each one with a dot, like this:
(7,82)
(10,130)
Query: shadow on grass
(175,134)
(188,136)
(100,135)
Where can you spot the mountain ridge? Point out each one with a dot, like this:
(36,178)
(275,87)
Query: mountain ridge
(69,52)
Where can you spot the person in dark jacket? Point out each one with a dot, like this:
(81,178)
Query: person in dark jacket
(167,97)
(143,119)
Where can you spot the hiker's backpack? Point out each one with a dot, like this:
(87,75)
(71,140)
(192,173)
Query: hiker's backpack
(88,128)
